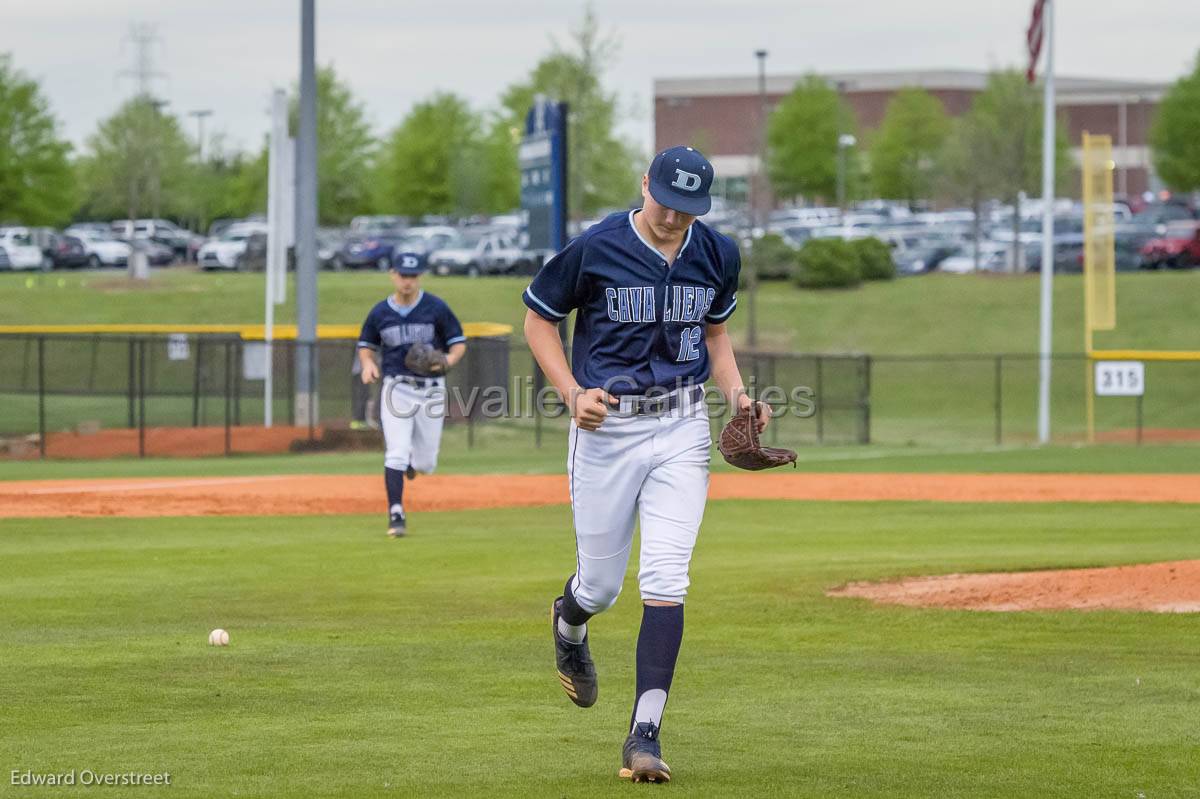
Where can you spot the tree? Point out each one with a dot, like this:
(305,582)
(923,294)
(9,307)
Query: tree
(1173,135)
(802,141)
(1009,114)
(36,179)
(248,184)
(962,179)
(432,162)
(225,185)
(601,168)
(995,150)
(905,149)
(345,149)
(137,164)
(502,174)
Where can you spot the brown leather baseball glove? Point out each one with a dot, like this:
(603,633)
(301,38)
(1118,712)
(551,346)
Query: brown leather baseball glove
(424,359)
(740,446)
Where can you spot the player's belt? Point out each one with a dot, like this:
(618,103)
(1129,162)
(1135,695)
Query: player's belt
(417,382)
(665,403)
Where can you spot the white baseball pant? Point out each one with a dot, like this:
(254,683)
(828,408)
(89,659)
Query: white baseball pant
(651,468)
(412,420)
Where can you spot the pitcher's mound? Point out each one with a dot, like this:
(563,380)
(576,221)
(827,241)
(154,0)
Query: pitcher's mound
(1161,587)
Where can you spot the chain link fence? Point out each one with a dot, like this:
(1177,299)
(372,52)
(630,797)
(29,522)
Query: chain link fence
(205,394)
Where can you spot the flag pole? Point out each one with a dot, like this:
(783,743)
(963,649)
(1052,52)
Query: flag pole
(1046,345)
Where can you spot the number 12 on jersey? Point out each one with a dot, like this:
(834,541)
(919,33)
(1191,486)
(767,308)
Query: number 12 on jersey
(689,344)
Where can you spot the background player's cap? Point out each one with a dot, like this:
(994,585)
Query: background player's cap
(680,178)
(408,263)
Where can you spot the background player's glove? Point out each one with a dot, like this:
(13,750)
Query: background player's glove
(424,359)
(740,447)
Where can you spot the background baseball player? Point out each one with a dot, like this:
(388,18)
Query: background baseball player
(653,289)
(413,398)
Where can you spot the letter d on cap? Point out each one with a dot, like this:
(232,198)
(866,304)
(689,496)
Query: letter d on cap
(688,181)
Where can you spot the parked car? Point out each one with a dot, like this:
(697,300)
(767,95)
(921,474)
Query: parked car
(254,257)
(366,251)
(68,252)
(426,239)
(924,255)
(1158,215)
(482,253)
(371,225)
(329,241)
(808,217)
(230,248)
(993,257)
(182,241)
(95,228)
(794,234)
(1128,246)
(219,226)
(1177,248)
(157,253)
(20,249)
(102,249)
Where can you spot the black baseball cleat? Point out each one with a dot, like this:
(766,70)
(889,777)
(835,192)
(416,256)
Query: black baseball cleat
(641,759)
(410,473)
(397,526)
(576,672)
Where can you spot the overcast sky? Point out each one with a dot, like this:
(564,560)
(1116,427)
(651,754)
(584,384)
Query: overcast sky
(227,56)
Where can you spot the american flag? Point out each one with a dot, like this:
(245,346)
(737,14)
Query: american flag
(1033,39)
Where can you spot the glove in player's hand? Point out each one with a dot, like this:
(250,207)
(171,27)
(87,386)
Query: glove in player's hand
(740,446)
(424,359)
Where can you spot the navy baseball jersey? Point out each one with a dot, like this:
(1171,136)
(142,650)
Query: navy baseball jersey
(640,324)
(392,329)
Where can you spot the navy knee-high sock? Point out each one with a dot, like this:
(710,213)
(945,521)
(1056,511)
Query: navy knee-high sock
(394,479)
(571,612)
(657,650)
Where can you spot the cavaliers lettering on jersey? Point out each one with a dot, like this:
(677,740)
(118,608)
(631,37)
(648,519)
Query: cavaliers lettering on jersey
(392,329)
(640,324)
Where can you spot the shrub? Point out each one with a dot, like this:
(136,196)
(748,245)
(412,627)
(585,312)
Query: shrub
(825,264)
(773,257)
(874,259)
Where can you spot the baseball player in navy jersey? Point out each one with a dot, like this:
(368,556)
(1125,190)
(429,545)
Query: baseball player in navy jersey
(652,290)
(412,406)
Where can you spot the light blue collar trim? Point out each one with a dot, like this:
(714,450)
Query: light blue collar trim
(651,247)
(404,310)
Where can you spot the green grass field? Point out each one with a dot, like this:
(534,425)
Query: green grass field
(366,667)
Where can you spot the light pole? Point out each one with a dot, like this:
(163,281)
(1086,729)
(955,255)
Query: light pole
(306,224)
(200,114)
(845,142)
(759,207)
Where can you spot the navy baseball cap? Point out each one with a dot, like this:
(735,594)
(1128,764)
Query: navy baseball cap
(408,263)
(680,178)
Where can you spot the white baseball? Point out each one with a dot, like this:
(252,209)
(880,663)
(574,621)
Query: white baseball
(218,637)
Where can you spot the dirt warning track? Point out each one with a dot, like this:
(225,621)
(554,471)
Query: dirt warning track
(343,494)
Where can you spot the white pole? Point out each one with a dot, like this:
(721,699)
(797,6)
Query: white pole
(1045,342)
(277,173)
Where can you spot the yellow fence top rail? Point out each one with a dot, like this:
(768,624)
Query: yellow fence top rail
(1144,355)
(249,332)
